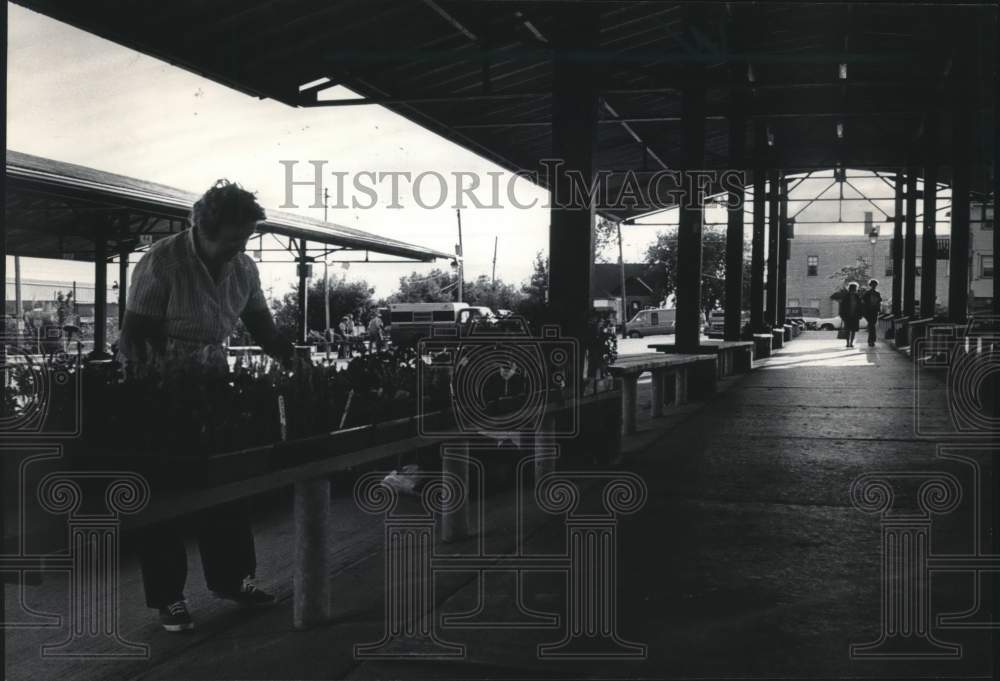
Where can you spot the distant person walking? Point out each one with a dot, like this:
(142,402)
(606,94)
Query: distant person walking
(850,311)
(871,306)
(375,332)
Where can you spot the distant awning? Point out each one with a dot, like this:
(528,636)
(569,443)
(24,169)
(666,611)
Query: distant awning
(51,206)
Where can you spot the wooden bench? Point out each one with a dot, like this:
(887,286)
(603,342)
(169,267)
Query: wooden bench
(682,368)
(734,356)
(762,345)
(187,483)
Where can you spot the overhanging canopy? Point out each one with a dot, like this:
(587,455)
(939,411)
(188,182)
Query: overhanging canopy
(51,209)
(480,74)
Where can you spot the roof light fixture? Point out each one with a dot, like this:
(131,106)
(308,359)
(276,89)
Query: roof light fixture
(840,130)
(750,74)
(842,72)
(770,138)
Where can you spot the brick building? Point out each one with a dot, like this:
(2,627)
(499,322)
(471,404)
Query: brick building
(813,258)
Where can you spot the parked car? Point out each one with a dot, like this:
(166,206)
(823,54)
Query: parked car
(809,316)
(652,322)
(835,322)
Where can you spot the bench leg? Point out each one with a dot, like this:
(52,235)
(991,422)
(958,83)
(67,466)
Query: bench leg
(680,387)
(455,518)
(545,450)
(630,400)
(658,393)
(311,580)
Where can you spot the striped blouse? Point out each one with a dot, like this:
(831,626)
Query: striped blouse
(172,283)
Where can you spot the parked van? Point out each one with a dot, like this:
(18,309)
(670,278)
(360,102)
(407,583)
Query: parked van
(716,327)
(409,322)
(652,322)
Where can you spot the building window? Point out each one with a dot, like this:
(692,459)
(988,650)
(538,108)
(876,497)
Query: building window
(986,266)
(916,268)
(888,265)
(814,302)
(793,302)
(812,265)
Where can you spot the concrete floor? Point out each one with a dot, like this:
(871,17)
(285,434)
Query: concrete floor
(747,560)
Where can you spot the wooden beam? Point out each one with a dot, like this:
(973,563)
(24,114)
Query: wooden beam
(574,112)
(928,274)
(734,234)
(897,248)
(689,226)
(759,234)
(910,244)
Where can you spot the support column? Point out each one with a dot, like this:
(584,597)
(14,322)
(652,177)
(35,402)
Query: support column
(958,281)
(897,249)
(782,249)
(928,274)
(123,253)
(100,290)
(311,579)
(689,315)
(455,512)
(734,229)
(910,244)
(758,235)
(303,293)
(574,127)
(771,309)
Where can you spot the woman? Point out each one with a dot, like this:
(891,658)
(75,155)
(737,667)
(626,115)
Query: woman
(850,311)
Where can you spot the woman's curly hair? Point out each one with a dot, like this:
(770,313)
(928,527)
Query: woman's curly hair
(226,203)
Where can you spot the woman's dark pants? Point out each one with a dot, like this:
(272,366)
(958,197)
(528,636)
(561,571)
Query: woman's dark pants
(225,540)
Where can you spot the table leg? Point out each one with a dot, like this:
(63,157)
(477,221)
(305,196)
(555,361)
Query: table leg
(455,518)
(630,400)
(680,386)
(658,378)
(312,603)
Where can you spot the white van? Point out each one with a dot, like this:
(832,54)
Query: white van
(652,322)
(409,322)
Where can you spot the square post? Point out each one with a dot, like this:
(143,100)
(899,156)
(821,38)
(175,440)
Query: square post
(734,228)
(928,273)
(758,235)
(897,248)
(771,310)
(689,228)
(303,293)
(100,289)
(574,128)
(910,244)
(123,253)
(782,249)
(958,282)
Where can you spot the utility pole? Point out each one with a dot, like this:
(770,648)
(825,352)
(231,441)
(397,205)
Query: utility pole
(326,203)
(458,252)
(493,278)
(621,273)
(326,298)
(17,292)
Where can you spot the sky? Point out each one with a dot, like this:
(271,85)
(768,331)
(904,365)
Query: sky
(77,98)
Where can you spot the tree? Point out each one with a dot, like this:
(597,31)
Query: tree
(495,295)
(534,297)
(713,266)
(857,272)
(605,240)
(437,286)
(346,297)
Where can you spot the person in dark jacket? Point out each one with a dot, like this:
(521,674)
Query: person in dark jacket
(850,311)
(871,306)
